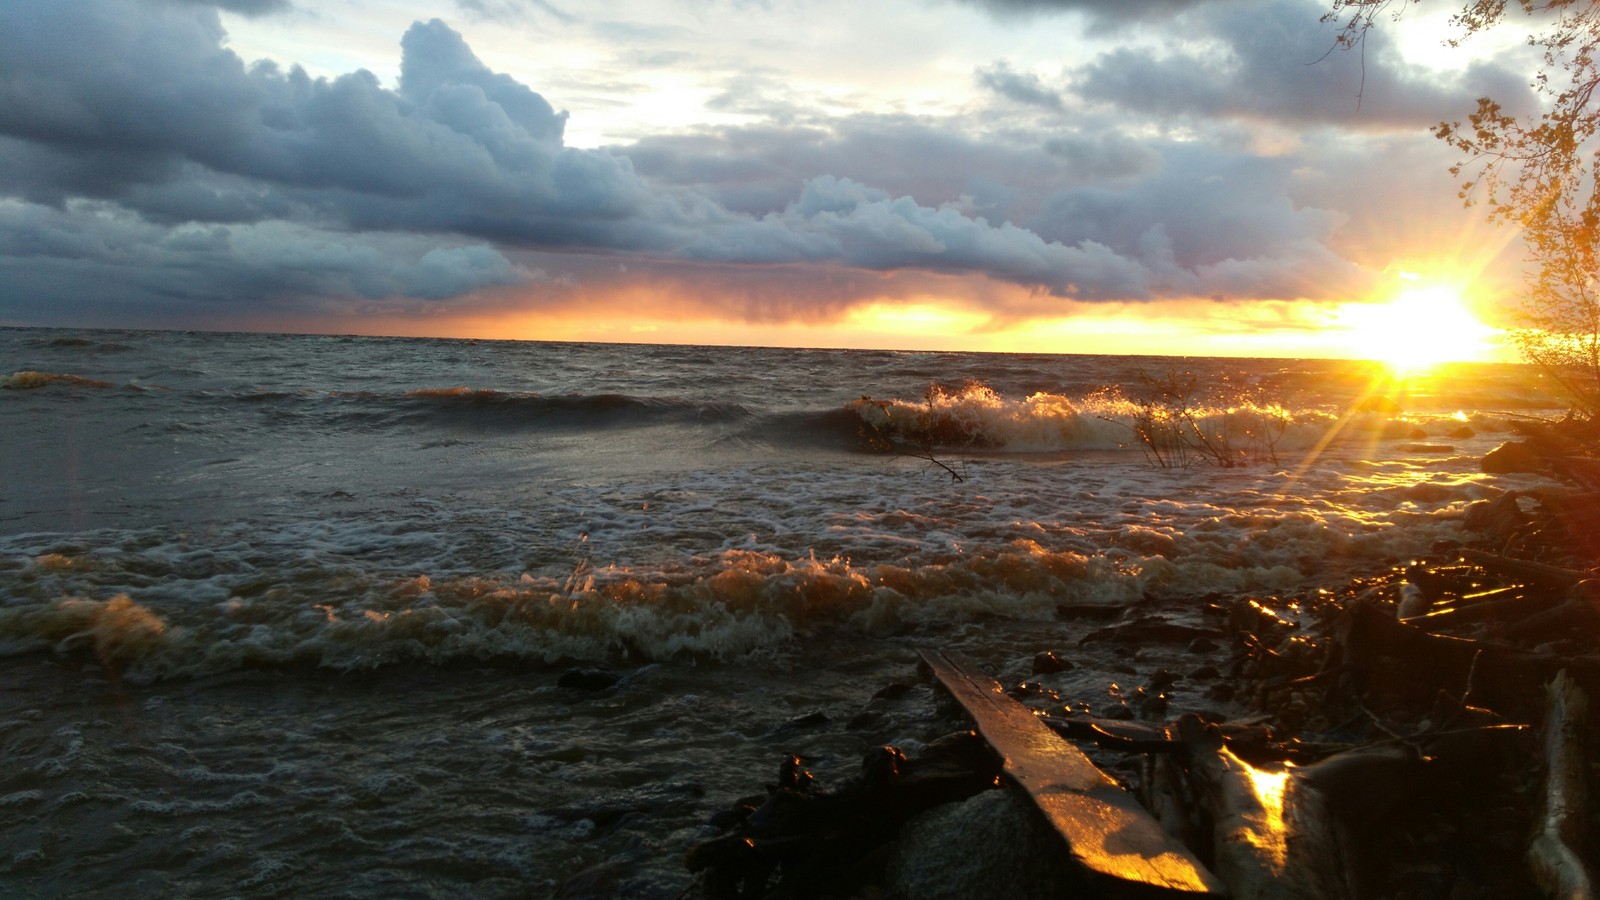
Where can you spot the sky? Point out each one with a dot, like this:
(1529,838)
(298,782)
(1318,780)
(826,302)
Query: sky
(1186,177)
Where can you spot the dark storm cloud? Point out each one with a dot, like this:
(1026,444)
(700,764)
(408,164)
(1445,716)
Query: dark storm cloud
(52,254)
(1022,87)
(135,145)
(1270,63)
(756,169)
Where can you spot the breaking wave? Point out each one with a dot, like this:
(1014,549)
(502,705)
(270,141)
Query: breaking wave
(978,418)
(29,380)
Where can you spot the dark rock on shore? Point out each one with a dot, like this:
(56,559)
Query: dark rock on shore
(991,846)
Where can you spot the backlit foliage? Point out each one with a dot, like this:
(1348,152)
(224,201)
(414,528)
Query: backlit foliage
(1539,172)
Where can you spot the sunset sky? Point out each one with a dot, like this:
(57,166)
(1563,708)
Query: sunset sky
(1167,176)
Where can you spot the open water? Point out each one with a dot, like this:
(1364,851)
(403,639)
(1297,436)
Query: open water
(291,614)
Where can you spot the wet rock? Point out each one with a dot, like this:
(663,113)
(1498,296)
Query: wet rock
(1378,404)
(1512,456)
(1161,678)
(1221,691)
(1461,432)
(989,847)
(1029,689)
(864,721)
(588,679)
(1118,710)
(1048,663)
(1202,645)
(894,691)
(1204,673)
(808,722)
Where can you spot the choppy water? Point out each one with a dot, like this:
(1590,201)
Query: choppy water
(287,613)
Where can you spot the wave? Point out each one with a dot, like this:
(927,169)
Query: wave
(77,343)
(30,380)
(506,408)
(977,418)
(482,408)
(738,603)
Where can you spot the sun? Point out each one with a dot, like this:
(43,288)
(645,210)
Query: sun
(1421,327)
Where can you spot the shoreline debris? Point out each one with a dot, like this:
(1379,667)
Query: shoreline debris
(1420,733)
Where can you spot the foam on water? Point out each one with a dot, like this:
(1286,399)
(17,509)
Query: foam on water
(29,380)
(780,558)
(291,616)
(978,417)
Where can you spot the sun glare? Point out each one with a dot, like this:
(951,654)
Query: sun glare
(1421,327)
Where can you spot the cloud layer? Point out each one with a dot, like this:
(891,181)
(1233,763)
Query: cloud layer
(142,155)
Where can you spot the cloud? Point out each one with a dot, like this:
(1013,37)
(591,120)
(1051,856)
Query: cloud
(757,169)
(51,254)
(1022,87)
(1105,12)
(457,148)
(1212,223)
(1267,61)
(251,8)
(512,10)
(138,147)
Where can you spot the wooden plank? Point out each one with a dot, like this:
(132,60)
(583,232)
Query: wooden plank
(1105,829)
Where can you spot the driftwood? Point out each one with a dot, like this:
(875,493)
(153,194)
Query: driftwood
(1509,605)
(1292,832)
(1375,653)
(1542,573)
(1558,850)
(1113,841)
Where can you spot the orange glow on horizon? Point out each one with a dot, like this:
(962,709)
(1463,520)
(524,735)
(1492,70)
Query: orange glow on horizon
(952,313)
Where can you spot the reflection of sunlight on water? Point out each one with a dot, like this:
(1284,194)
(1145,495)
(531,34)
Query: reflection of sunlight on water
(1269,835)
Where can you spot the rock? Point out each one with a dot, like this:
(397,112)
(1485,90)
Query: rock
(1462,432)
(992,846)
(1118,710)
(894,691)
(808,722)
(1048,663)
(588,679)
(1378,404)
(1032,689)
(1512,456)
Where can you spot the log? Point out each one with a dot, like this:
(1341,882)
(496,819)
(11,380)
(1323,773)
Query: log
(1401,661)
(1557,852)
(1111,839)
(1292,833)
(1553,576)
(1467,612)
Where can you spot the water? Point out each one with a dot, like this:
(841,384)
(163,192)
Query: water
(286,614)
